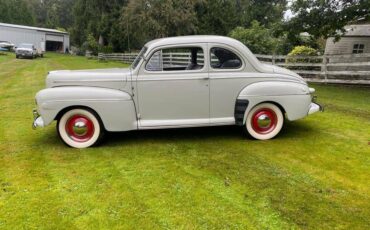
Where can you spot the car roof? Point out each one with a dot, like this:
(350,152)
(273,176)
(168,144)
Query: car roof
(192,39)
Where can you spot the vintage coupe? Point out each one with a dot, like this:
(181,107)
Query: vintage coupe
(175,82)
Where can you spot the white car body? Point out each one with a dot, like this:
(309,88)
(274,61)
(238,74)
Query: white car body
(6,45)
(139,98)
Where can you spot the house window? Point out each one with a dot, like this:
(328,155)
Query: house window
(358,48)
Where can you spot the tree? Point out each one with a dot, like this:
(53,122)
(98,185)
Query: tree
(221,16)
(16,12)
(143,20)
(325,18)
(266,12)
(96,17)
(53,13)
(257,38)
(217,16)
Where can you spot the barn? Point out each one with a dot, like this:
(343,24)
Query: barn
(43,38)
(355,41)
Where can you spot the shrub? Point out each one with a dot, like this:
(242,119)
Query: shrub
(301,51)
(92,45)
(106,49)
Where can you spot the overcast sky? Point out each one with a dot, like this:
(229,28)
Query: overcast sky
(288,14)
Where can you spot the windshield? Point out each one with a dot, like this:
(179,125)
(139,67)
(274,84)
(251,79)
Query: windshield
(29,46)
(139,57)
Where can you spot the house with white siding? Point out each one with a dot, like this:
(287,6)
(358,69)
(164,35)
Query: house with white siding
(355,41)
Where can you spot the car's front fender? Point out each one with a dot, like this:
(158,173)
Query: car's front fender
(115,108)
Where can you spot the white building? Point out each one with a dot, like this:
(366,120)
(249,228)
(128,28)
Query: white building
(356,40)
(42,38)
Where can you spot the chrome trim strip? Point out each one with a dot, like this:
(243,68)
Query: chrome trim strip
(90,80)
(183,123)
(87,100)
(217,78)
(172,79)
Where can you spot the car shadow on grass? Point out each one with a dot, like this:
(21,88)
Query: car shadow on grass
(296,129)
(289,130)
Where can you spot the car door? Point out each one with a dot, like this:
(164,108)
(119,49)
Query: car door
(229,73)
(173,87)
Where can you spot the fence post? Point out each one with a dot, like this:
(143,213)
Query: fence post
(324,68)
(273,59)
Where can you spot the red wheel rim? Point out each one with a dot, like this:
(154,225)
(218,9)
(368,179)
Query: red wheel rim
(80,128)
(264,121)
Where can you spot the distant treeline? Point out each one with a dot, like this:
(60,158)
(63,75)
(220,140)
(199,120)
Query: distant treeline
(123,25)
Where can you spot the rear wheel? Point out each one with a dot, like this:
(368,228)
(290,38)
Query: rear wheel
(80,128)
(264,121)
(16,56)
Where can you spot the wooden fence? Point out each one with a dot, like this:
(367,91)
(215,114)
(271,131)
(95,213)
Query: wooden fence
(345,69)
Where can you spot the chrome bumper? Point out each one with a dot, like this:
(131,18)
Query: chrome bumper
(314,107)
(37,120)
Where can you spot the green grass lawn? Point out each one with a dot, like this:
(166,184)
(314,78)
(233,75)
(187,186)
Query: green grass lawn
(314,175)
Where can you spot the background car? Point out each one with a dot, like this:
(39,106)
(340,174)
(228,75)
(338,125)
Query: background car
(6,45)
(27,50)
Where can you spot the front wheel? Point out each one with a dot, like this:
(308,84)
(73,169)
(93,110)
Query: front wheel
(80,128)
(264,121)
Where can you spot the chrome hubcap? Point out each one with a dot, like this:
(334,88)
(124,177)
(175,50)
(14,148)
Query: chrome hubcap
(264,121)
(80,128)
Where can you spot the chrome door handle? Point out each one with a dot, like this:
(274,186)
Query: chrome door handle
(206,78)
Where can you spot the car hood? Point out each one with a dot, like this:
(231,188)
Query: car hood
(108,78)
(23,49)
(283,71)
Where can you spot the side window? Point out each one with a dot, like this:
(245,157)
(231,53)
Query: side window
(155,62)
(224,59)
(172,59)
(358,48)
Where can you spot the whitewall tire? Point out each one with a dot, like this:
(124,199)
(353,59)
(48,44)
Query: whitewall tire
(80,128)
(264,121)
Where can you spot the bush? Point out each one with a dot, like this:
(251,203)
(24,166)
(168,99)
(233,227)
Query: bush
(301,51)
(106,49)
(92,45)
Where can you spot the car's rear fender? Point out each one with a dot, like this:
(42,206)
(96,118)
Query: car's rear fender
(293,98)
(115,108)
